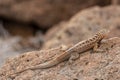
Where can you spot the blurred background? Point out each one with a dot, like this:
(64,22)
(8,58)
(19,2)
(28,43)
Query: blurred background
(27,25)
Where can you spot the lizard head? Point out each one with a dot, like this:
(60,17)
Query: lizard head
(103,33)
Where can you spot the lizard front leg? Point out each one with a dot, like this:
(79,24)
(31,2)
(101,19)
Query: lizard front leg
(96,48)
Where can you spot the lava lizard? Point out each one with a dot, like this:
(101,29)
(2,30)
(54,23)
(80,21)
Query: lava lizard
(77,48)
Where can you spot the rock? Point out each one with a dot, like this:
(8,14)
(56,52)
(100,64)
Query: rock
(101,65)
(43,13)
(11,46)
(115,2)
(96,66)
(3,32)
(16,29)
(83,25)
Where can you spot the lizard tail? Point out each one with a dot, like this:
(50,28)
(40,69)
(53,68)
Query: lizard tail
(45,65)
(51,63)
(40,66)
(48,64)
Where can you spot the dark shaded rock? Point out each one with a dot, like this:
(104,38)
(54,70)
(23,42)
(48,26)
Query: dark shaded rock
(16,29)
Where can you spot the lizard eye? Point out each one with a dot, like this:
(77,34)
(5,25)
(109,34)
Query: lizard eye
(91,39)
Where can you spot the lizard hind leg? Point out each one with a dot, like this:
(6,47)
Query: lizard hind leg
(73,57)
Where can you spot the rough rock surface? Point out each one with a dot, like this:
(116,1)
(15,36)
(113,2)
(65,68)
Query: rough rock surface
(84,24)
(43,13)
(90,66)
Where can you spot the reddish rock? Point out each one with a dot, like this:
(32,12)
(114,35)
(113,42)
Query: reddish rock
(115,2)
(43,13)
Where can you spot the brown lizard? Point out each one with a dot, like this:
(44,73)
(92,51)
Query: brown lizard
(77,48)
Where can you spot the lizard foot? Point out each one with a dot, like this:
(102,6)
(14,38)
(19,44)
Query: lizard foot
(73,57)
(96,49)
